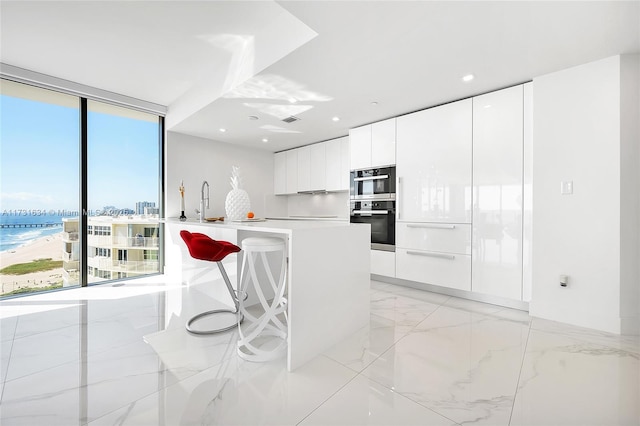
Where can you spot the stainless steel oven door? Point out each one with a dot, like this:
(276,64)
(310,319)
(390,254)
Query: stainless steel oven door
(379,183)
(381,215)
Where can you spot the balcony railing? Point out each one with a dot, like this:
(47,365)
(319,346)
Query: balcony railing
(141,266)
(70,236)
(135,241)
(70,277)
(68,257)
(109,264)
(99,240)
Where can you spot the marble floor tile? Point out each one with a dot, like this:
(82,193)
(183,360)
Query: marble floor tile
(404,310)
(238,393)
(365,402)
(461,364)
(566,381)
(41,351)
(118,354)
(362,348)
(422,295)
(627,343)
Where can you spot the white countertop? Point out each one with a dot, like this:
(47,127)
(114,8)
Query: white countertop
(320,218)
(280,226)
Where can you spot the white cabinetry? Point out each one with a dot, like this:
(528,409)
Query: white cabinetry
(498,193)
(383,263)
(434,150)
(280,173)
(383,143)
(360,140)
(337,164)
(434,253)
(318,167)
(373,145)
(292,171)
(304,168)
(433,232)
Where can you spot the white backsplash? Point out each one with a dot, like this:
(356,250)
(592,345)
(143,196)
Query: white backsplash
(332,204)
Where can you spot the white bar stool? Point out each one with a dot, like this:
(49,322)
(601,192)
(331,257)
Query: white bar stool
(264,335)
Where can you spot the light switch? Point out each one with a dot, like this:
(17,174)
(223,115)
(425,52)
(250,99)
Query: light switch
(566,188)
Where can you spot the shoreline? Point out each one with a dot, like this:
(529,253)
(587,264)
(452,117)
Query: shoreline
(49,246)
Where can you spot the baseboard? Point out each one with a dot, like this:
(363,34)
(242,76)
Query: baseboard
(469,295)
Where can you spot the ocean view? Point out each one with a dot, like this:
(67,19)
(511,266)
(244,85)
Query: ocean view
(11,238)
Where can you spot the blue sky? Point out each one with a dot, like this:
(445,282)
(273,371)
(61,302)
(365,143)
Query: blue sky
(39,158)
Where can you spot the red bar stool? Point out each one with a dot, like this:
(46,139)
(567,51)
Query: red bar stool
(203,247)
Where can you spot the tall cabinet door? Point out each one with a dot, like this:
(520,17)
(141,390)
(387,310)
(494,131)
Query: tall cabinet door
(280,173)
(434,149)
(360,139)
(498,193)
(317,167)
(292,171)
(383,143)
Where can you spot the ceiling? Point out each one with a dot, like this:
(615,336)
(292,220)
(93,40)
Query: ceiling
(214,63)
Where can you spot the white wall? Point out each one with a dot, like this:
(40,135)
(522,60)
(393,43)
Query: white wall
(194,160)
(577,137)
(630,192)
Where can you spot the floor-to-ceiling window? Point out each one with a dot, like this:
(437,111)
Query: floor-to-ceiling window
(39,180)
(68,161)
(122,187)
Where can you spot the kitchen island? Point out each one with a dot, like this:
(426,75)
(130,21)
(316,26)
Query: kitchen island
(328,275)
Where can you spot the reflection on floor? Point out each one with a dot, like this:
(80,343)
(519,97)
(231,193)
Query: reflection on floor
(110,355)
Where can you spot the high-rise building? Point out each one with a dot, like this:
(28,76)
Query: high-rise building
(140,205)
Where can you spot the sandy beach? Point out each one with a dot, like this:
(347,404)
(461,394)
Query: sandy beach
(41,248)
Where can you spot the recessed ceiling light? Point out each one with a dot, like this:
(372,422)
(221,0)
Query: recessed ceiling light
(374,103)
(223,130)
(253,117)
(467,78)
(293,100)
(265,140)
(336,118)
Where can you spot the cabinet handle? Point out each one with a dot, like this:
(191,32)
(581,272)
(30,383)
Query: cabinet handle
(430,225)
(398,197)
(360,179)
(428,254)
(370,212)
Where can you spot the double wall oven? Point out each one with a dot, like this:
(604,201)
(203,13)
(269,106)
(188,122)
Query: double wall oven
(373,201)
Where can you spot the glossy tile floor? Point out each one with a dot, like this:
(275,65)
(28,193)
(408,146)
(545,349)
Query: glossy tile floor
(119,355)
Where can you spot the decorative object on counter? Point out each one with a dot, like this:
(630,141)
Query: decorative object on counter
(214,219)
(181,189)
(237,203)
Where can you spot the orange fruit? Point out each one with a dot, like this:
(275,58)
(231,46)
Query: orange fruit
(250,215)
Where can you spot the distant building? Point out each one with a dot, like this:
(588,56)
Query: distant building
(141,205)
(119,247)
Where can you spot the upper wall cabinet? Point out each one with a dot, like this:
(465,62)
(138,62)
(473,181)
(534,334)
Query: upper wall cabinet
(280,173)
(304,168)
(498,193)
(373,145)
(434,164)
(318,167)
(337,164)
(292,171)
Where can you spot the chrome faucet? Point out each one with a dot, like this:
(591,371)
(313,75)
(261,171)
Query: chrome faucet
(204,201)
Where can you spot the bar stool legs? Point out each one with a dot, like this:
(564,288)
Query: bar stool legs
(234,297)
(203,247)
(264,336)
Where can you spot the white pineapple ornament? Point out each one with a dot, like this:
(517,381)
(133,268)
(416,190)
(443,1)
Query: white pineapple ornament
(237,203)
